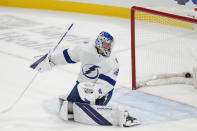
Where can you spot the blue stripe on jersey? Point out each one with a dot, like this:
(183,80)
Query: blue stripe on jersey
(93,114)
(108,79)
(67,57)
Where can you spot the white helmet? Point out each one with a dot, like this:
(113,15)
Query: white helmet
(104,37)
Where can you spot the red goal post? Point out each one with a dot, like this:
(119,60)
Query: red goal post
(146,11)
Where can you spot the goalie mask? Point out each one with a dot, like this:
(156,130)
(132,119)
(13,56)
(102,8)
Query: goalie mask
(104,43)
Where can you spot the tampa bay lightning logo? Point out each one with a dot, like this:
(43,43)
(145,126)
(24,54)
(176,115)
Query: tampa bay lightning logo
(91,71)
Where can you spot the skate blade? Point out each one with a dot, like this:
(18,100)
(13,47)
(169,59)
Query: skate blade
(134,123)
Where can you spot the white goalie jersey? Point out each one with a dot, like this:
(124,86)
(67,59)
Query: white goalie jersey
(95,68)
(87,101)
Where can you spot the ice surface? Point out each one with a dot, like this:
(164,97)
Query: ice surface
(26,33)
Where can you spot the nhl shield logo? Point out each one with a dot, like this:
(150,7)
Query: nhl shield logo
(90,71)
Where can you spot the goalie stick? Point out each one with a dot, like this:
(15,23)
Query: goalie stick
(19,97)
(33,66)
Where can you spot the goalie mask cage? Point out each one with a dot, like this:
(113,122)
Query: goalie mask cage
(160,43)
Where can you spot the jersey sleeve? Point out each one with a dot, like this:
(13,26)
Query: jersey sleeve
(67,56)
(107,81)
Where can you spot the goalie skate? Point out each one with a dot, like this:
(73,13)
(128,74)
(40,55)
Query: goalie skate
(130,121)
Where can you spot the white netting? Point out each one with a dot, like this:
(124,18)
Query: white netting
(163,45)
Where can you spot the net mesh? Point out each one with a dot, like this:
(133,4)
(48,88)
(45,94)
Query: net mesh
(163,45)
(147,17)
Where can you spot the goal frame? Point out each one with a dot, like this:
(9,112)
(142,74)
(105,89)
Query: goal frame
(154,12)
